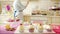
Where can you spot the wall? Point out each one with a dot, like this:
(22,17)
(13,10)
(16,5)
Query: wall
(42,5)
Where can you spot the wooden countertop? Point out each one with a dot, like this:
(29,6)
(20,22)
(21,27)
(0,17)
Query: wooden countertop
(38,33)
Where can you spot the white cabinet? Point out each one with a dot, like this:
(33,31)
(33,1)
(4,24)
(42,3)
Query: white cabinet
(47,19)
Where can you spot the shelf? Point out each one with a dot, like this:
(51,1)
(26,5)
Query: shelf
(43,16)
(6,0)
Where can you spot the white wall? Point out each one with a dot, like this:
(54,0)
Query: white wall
(45,4)
(42,4)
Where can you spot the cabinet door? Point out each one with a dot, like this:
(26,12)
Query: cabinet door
(56,20)
(49,20)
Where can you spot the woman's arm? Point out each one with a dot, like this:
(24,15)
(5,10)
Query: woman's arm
(27,3)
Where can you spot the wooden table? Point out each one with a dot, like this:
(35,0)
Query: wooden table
(40,33)
(45,32)
(49,32)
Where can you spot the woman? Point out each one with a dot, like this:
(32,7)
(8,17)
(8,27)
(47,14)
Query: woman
(18,10)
